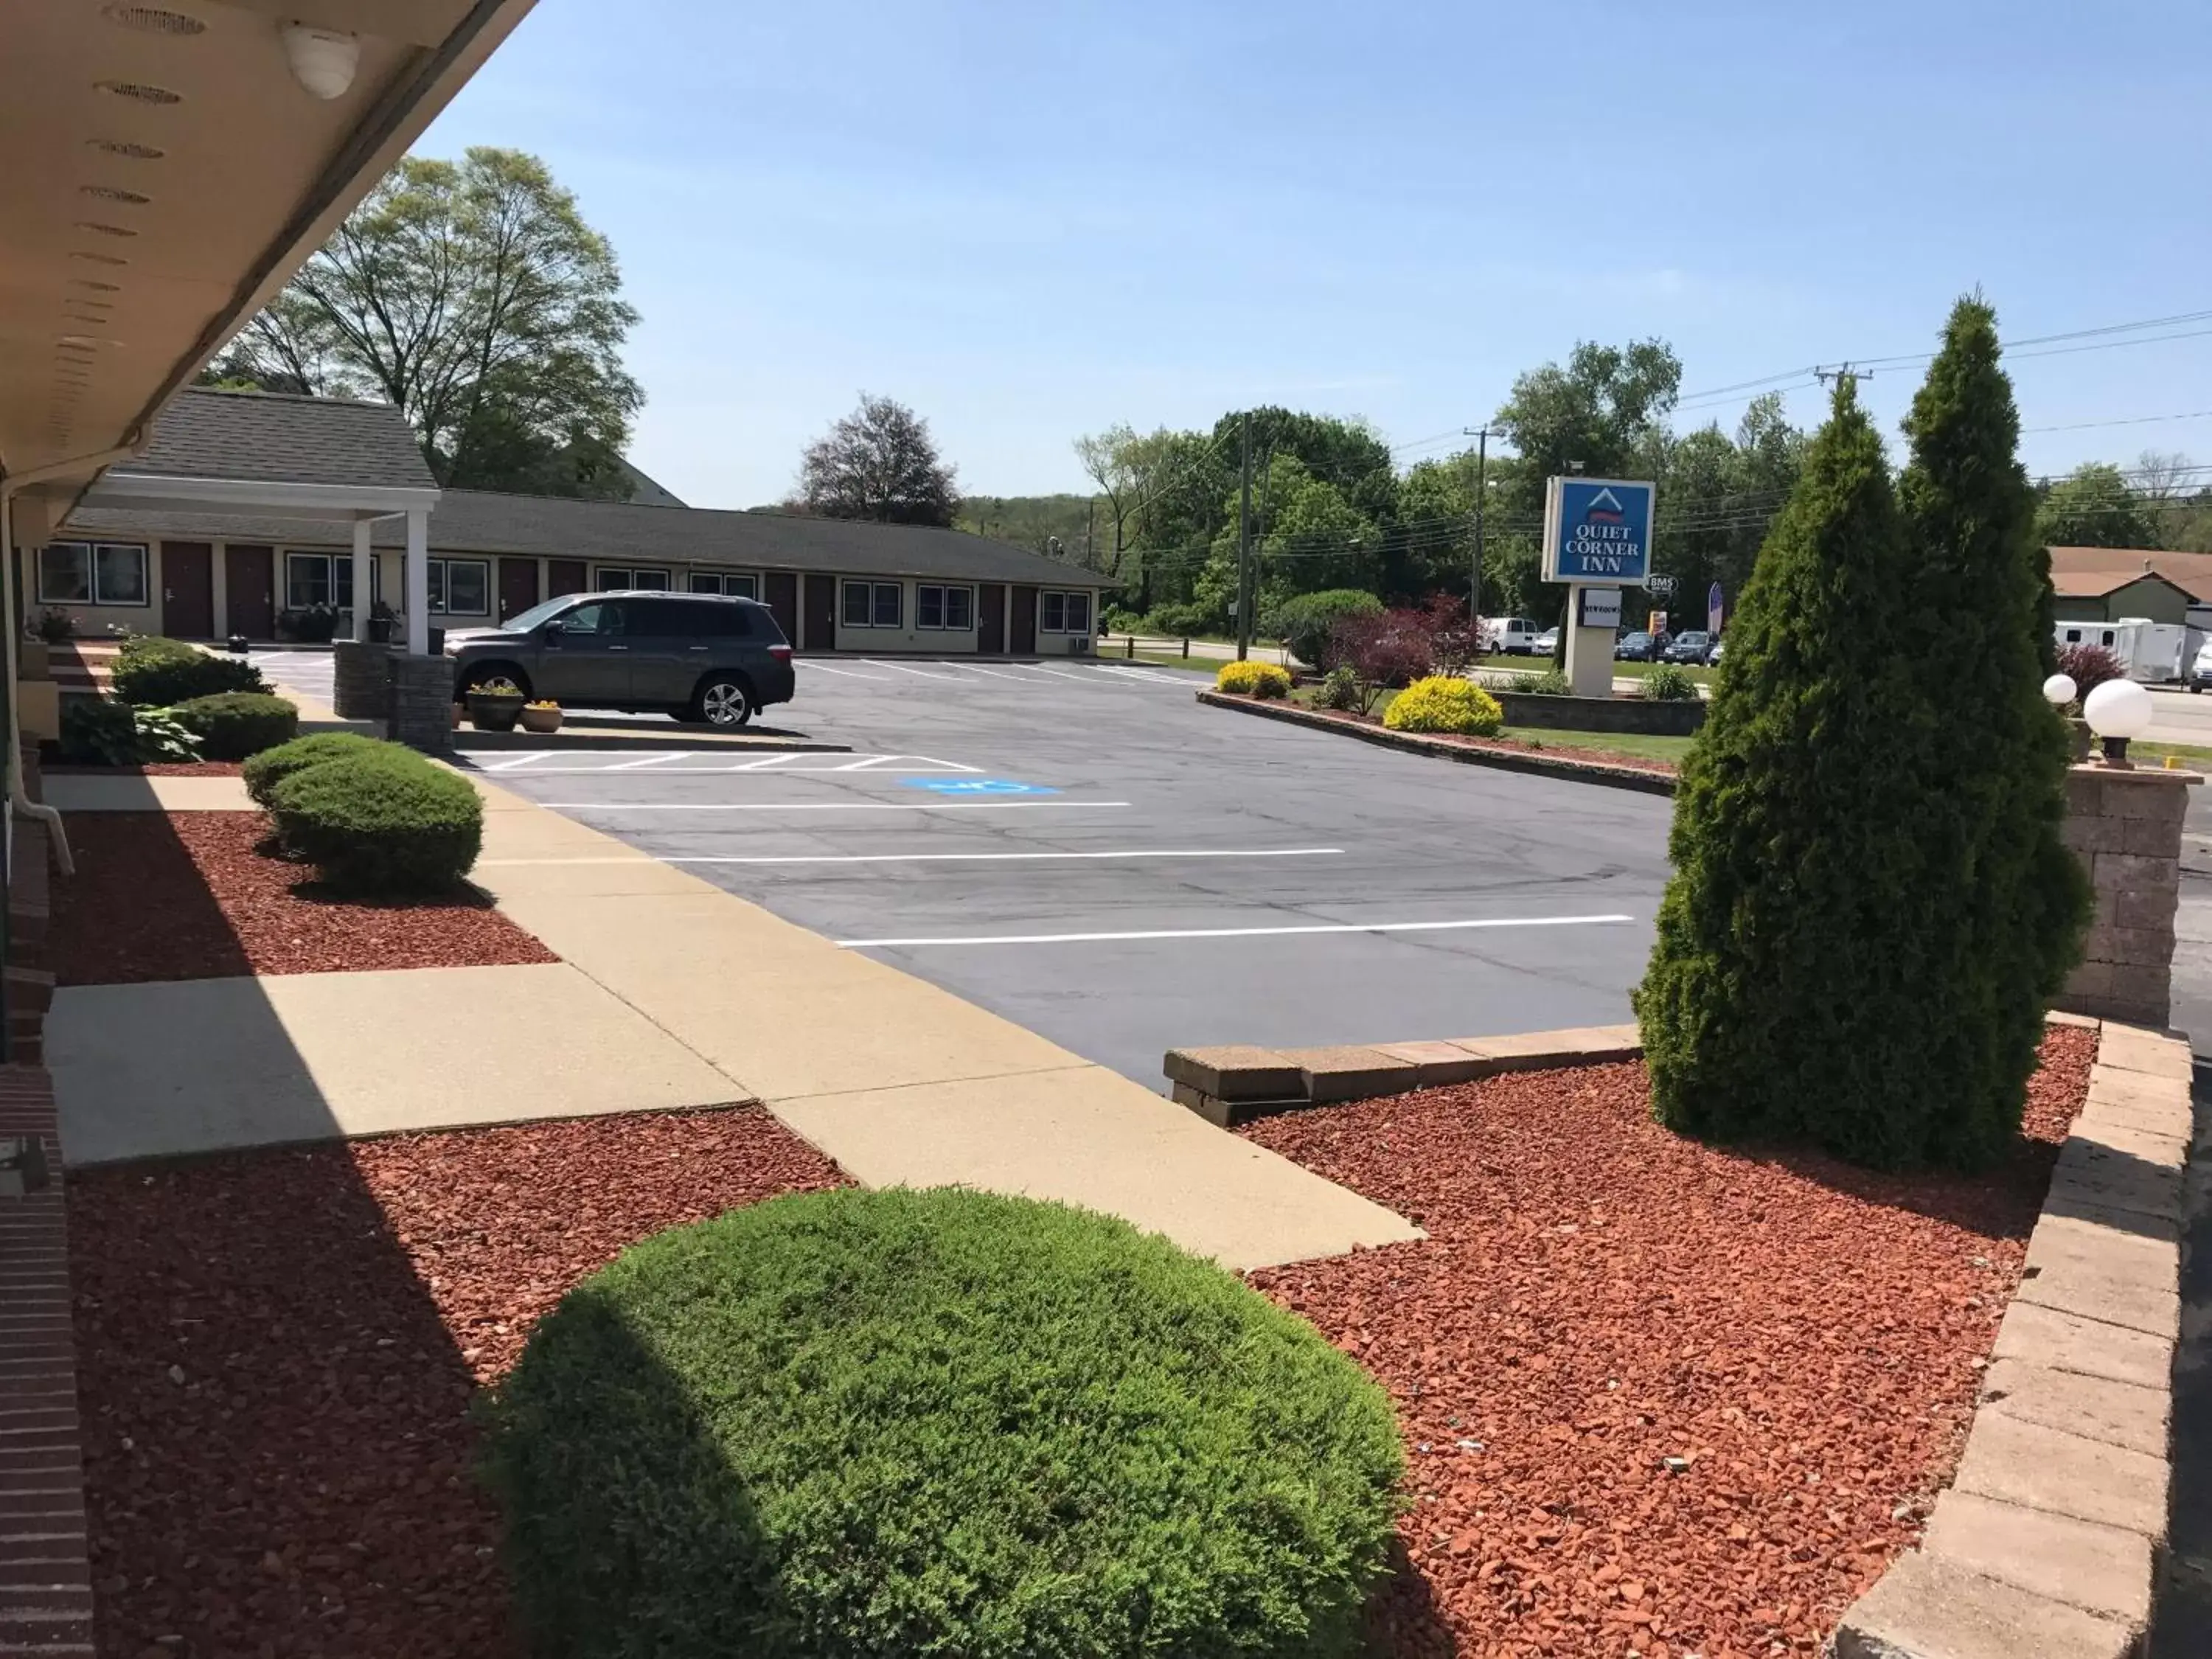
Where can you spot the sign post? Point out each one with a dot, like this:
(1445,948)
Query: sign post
(1597,538)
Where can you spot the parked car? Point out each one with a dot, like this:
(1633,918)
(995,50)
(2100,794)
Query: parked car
(700,657)
(1691,646)
(1547,642)
(1640,646)
(2200,671)
(1713,656)
(1515,637)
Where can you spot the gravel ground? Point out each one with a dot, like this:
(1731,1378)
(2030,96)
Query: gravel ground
(277,1353)
(1598,1296)
(189,895)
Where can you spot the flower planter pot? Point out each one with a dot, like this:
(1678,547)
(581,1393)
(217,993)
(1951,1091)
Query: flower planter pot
(489,711)
(541,719)
(33,660)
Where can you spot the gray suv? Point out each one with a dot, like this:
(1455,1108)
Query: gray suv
(697,656)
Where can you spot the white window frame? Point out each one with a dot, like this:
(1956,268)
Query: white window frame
(92,595)
(943,592)
(337,568)
(875,590)
(439,581)
(632,580)
(1066,597)
(729,583)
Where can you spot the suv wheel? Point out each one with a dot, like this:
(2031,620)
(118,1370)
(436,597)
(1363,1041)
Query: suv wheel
(722,699)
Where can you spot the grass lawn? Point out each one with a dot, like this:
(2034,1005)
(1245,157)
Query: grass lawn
(1200,665)
(2186,756)
(1670,750)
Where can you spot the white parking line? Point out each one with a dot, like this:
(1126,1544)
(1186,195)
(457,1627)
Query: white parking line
(1058,673)
(524,760)
(818,805)
(650,760)
(709,763)
(995,673)
(807,662)
(901,668)
(1235,933)
(948,858)
(1144,674)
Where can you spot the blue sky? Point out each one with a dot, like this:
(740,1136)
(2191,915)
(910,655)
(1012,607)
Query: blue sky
(1030,220)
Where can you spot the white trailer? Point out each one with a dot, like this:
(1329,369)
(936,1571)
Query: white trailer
(2153,652)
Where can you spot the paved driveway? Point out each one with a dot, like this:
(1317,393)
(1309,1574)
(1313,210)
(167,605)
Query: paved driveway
(1086,851)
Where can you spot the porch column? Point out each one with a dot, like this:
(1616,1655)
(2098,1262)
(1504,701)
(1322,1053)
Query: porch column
(417,577)
(364,582)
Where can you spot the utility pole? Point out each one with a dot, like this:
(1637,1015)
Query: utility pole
(1481,436)
(1244,536)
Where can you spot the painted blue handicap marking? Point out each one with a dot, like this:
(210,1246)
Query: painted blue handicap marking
(976,786)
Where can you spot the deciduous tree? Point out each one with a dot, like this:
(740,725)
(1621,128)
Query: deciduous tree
(474,296)
(878,463)
(2093,506)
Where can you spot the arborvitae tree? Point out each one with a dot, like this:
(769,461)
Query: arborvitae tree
(2003,916)
(1795,993)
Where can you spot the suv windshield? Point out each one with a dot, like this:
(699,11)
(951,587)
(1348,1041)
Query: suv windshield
(524,621)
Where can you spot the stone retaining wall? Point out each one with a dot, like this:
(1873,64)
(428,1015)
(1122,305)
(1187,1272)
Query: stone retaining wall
(1657,719)
(2124,825)
(2049,1541)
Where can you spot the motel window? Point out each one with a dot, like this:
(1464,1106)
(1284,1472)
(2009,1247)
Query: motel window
(614,579)
(460,587)
(311,578)
(92,573)
(731,584)
(952,609)
(874,604)
(1063,613)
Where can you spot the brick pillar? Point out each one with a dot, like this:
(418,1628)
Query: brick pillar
(2126,827)
(420,710)
(362,675)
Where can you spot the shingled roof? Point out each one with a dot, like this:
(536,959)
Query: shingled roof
(268,437)
(2093,572)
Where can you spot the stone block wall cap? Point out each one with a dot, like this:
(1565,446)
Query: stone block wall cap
(2137,773)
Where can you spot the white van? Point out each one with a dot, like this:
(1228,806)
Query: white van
(1514,636)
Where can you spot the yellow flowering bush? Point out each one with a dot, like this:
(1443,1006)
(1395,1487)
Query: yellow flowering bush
(1253,679)
(1441,703)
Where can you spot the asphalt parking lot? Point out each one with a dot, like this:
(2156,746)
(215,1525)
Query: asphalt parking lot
(1084,849)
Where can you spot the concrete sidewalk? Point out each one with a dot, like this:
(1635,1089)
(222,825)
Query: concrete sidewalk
(898,1081)
(72,792)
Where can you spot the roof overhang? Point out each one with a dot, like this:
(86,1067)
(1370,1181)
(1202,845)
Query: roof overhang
(158,493)
(163,173)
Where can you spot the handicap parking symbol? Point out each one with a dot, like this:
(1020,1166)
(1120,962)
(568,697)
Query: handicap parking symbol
(976,786)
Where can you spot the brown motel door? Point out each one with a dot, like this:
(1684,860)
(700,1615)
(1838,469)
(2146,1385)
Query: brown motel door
(1023,642)
(249,577)
(991,619)
(518,587)
(188,590)
(567,576)
(820,615)
(781,595)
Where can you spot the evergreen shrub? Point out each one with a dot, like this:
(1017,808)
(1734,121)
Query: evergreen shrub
(936,1422)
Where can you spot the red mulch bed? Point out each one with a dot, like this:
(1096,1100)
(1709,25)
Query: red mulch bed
(167,895)
(152,769)
(277,1351)
(1597,1294)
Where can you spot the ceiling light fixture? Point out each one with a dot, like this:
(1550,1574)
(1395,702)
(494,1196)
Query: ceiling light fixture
(324,61)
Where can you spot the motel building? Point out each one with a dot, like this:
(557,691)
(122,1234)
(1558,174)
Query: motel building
(246,514)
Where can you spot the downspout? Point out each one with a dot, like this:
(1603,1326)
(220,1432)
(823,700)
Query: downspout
(18,799)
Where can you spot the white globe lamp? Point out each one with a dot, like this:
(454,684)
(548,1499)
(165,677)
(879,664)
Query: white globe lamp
(2059,690)
(2116,711)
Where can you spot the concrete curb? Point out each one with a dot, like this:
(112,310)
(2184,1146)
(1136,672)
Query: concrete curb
(1227,1085)
(2050,1537)
(1543,765)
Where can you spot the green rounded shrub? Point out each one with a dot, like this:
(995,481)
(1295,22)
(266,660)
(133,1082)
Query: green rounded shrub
(153,672)
(1670,682)
(938,1422)
(265,770)
(1308,623)
(1441,703)
(381,821)
(234,725)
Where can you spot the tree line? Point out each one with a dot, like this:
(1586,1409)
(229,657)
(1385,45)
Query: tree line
(473,295)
